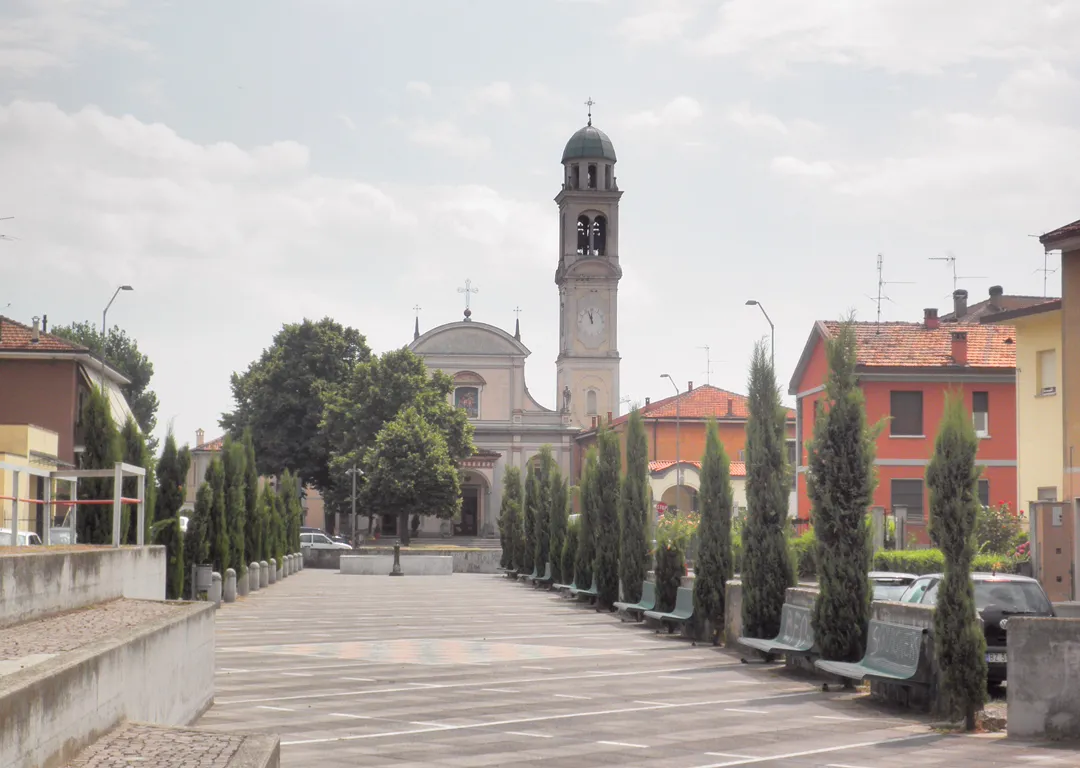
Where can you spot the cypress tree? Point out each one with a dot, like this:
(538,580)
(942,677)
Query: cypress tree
(634,503)
(510,518)
(766,569)
(266,523)
(607,520)
(569,553)
(532,491)
(218,533)
(279,526)
(103,450)
(171,476)
(197,538)
(290,498)
(585,558)
(167,533)
(959,640)
(234,459)
(542,522)
(559,517)
(714,562)
(137,454)
(252,537)
(841,484)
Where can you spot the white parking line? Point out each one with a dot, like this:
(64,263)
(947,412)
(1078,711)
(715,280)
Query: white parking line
(623,744)
(353,717)
(500,690)
(532,735)
(571,696)
(747,711)
(727,754)
(276,709)
(295,674)
(837,717)
(358,679)
(823,751)
(540,669)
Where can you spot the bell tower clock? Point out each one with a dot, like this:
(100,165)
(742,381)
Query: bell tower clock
(588,277)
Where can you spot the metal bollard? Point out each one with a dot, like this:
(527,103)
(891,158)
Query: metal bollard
(253,576)
(215,589)
(264,574)
(229,590)
(272,565)
(243,583)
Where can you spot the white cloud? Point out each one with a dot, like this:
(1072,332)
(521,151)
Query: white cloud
(499,94)
(447,136)
(1042,88)
(347,121)
(793,166)
(756,122)
(920,36)
(680,111)
(658,21)
(418,88)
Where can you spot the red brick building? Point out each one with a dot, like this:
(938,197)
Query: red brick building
(904,370)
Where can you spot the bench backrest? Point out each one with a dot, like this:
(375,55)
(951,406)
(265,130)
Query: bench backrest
(547,572)
(684,601)
(796,628)
(648,594)
(893,645)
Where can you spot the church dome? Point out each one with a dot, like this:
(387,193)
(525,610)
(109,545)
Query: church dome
(589,143)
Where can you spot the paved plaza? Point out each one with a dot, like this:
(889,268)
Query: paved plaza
(475,670)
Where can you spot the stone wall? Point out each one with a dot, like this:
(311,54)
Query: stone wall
(42,582)
(465,560)
(161,673)
(1044,678)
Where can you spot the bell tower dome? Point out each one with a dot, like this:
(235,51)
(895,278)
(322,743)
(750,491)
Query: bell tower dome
(588,276)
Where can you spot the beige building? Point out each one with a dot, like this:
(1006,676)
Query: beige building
(25,445)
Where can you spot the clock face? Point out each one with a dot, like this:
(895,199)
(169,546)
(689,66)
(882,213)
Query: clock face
(591,322)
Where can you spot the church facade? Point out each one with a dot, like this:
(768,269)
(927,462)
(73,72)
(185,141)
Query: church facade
(487,364)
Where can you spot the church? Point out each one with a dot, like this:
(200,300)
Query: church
(487,364)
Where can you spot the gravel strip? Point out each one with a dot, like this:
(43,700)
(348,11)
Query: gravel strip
(135,744)
(76,629)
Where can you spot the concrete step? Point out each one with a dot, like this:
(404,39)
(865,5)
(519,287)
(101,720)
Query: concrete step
(162,747)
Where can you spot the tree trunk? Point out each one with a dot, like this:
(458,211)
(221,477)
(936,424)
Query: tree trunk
(403,528)
(969,720)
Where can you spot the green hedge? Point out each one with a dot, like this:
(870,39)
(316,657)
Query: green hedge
(804,556)
(920,561)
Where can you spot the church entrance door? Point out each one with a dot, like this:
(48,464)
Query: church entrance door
(470,512)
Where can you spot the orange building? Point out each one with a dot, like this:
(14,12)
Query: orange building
(904,370)
(676,426)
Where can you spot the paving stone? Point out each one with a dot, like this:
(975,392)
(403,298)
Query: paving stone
(146,746)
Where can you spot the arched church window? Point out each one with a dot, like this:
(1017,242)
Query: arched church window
(583,235)
(599,236)
(607,176)
(590,403)
(592,175)
(468,399)
(574,181)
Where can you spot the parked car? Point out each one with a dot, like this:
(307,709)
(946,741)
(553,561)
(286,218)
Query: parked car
(888,585)
(320,541)
(306,529)
(998,596)
(25,538)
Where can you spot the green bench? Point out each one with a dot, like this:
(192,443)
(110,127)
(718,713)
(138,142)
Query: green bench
(546,579)
(680,614)
(796,635)
(528,577)
(637,610)
(565,587)
(510,573)
(893,652)
(590,593)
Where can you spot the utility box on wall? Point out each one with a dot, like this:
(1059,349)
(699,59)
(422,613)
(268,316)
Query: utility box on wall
(1052,547)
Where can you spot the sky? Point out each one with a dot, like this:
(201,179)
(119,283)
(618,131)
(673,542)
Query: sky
(252,163)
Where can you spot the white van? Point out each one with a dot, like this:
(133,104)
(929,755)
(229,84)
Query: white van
(26,538)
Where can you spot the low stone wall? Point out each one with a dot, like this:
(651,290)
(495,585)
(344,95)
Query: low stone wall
(1070,610)
(412,565)
(465,560)
(1044,678)
(41,583)
(161,673)
(733,614)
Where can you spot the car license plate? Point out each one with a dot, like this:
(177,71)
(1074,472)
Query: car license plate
(997,658)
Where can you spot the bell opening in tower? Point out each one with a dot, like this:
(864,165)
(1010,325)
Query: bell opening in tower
(599,236)
(592,175)
(583,235)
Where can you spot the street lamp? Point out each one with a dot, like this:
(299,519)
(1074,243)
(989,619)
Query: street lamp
(354,472)
(772,328)
(104,313)
(678,465)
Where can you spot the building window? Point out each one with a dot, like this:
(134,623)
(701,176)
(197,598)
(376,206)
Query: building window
(984,492)
(980,413)
(908,495)
(906,412)
(1046,372)
(590,402)
(742,455)
(1048,494)
(468,399)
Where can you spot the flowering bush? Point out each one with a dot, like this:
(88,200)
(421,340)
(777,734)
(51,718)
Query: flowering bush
(998,530)
(674,534)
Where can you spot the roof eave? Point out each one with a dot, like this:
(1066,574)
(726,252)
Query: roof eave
(85,358)
(819,330)
(1052,305)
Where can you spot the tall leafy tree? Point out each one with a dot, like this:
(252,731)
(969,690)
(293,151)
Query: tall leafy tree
(532,495)
(634,510)
(959,641)
(542,524)
(372,393)
(218,531)
(510,517)
(171,475)
(607,520)
(234,461)
(841,484)
(559,518)
(585,559)
(569,553)
(279,396)
(410,470)
(136,453)
(767,570)
(122,352)
(714,564)
(253,545)
(103,450)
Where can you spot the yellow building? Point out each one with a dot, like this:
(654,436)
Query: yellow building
(24,445)
(1040,462)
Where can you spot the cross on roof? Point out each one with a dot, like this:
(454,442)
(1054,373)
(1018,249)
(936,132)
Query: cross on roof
(589,104)
(417,309)
(517,311)
(467,290)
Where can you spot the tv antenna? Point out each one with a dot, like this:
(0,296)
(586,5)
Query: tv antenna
(708,364)
(7,237)
(950,259)
(881,283)
(1045,269)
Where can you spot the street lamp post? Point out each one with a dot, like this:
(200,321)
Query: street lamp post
(772,328)
(678,464)
(354,472)
(104,314)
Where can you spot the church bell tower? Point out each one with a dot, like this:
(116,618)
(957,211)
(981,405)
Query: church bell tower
(588,278)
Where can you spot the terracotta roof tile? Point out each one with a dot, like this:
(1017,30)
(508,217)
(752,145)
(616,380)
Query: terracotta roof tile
(1069,230)
(212,445)
(912,345)
(738,468)
(699,403)
(989,307)
(16,337)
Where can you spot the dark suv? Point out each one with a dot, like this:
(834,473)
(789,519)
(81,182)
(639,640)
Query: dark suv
(998,596)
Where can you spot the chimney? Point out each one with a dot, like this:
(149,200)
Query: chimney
(930,319)
(959,303)
(647,401)
(730,407)
(609,417)
(959,347)
(35,334)
(200,437)
(689,386)
(996,292)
